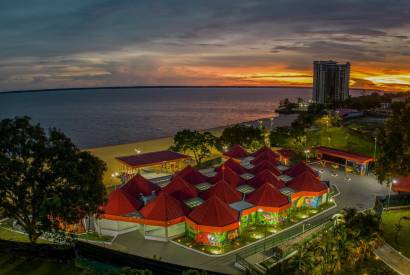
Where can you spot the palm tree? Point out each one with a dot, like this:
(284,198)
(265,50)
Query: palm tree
(303,261)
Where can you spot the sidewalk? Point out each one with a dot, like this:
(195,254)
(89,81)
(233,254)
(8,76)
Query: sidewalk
(393,259)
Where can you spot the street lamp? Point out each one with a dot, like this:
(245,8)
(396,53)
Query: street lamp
(375,147)
(137,151)
(388,200)
(303,228)
(307,151)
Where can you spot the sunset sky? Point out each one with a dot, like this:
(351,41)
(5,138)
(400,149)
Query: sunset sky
(86,43)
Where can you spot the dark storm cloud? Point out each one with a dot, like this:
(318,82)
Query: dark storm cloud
(106,42)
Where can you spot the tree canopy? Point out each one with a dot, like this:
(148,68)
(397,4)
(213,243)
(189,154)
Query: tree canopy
(249,137)
(394,145)
(45,180)
(197,143)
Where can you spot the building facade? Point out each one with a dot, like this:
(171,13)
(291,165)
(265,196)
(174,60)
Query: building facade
(330,82)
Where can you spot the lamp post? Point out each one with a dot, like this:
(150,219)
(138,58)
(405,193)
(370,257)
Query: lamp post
(307,151)
(388,200)
(303,228)
(375,147)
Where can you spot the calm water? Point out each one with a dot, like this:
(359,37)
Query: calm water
(113,116)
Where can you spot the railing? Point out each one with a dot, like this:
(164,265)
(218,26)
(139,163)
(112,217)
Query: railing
(249,267)
(394,201)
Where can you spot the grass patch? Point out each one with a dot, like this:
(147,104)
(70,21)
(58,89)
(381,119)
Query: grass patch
(390,219)
(93,236)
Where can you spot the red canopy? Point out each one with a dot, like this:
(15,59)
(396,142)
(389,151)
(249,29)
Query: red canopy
(360,158)
(266,176)
(120,203)
(402,185)
(236,152)
(153,158)
(192,175)
(163,208)
(265,165)
(236,167)
(137,185)
(307,182)
(228,175)
(264,150)
(224,191)
(266,157)
(299,168)
(180,189)
(268,196)
(214,212)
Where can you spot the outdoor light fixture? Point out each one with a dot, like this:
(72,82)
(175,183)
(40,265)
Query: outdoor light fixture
(137,151)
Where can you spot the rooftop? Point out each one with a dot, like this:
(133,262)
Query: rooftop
(153,158)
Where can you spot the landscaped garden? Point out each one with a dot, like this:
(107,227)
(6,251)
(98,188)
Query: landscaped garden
(396,229)
(254,233)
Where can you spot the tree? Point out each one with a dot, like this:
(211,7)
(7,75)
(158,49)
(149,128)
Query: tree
(45,180)
(394,146)
(249,137)
(199,144)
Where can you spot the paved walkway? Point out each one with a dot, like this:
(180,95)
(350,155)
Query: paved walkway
(360,192)
(394,259)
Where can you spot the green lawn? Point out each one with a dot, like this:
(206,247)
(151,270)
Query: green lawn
(93,236)
(389,221)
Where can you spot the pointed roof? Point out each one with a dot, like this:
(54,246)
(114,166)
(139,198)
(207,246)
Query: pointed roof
(137,185)
(180,189)
(214,212)
(299,168)
(228,175)
(236,152)
(264,150)
(307,182)
(266,176)
(163,208)
(192,175)
(268,196)
(266,157)
(236,167)
(120,203)
(265,165)
(224,191)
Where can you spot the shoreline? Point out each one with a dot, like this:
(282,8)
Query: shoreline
(110,152)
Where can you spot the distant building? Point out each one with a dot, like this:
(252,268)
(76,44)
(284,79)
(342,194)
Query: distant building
(330,82)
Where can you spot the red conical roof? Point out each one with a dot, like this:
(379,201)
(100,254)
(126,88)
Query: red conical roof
(267,196)
(265,165)
(266,157)
(265,150)
(299,168)
(237,152)
(266,176)
(236,167)
(137,185)
(120,203)
(228,175)
(307,182)
(224,191)
(163,208)
(180,189)
(214,212)
(192,175)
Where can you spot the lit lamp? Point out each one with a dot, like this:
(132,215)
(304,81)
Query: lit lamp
(137,151)
(388,200)
(307,151)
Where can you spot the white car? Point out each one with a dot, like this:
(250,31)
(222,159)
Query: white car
(334,174)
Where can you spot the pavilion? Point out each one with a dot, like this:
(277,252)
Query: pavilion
(236,153)
(351,161)
(402,185)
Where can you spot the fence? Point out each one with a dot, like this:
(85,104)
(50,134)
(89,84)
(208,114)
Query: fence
(394,201)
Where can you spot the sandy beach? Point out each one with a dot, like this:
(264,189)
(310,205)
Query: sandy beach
(109,153)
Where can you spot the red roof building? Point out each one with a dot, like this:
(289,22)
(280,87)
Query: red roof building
(266,176)
(269,199)
(214,215)
(120,203)
(180,189)
(192,175)
(265,165)
(228,175)
(402,185)
(271,157)
(153,158)
(139,185)
(164,210)
(236,152)
(358,158)
(298,169)
(224,191)
(307,184)
(235,166)
(265,150)
(285,155)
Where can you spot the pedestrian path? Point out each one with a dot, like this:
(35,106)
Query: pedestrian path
(394,259)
